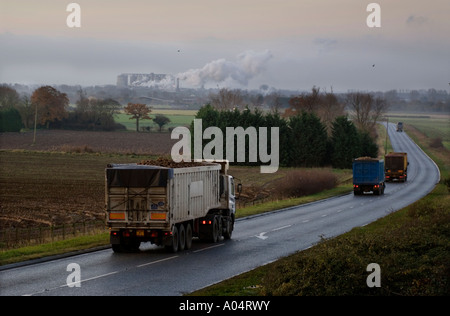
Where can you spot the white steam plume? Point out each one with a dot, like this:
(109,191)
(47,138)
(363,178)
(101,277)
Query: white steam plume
(248,65)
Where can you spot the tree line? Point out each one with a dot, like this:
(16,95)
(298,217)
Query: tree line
(49,108)
(314,132)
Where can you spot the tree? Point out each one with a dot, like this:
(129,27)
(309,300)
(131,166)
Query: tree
(367,110)
(308,102)
(8,97)
(308,141)
(368,146)
(161,120)
(27,111)
(138,112)
(10,120)
(51,105)
(345,143)
(227,99)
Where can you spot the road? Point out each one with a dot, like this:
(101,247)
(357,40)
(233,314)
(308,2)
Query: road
(256,241)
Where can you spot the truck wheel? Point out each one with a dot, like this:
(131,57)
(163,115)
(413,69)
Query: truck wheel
(216,232)
(188,236)
(229,228)
(182,237)
(175,240)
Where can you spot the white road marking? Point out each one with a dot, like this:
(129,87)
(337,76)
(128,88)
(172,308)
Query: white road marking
(280,228)
(207,248)
(157,261)
(261,236)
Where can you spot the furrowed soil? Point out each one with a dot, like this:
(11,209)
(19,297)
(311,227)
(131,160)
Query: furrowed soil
(49,189)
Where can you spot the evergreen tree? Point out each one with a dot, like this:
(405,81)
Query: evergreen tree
(368,146)
(308,140)
(10,120)
(345,143)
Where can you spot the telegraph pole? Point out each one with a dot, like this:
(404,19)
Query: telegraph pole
(387,135)
(35,124)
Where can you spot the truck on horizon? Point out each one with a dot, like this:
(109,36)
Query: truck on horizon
(168,204)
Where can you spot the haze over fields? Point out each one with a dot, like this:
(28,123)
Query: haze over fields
(286,44)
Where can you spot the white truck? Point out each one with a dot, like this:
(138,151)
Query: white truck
(168,206)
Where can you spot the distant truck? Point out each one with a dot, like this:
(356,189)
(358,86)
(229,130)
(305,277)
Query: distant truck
(396,166)
(368,176)
(399,127)
(168,205)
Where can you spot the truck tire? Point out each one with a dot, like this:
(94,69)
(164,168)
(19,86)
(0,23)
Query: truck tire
(229,226)
(188,236)
(216,229)
(175,240)
(181,237)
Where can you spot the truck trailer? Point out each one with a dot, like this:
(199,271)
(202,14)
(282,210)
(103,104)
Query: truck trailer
(368,176)
(396,166)
(168,205)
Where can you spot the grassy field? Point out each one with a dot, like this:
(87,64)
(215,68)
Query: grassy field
(412,246)
(177,118)
(431,126)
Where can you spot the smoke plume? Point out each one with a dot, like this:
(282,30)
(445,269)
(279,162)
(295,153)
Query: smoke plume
(248,65)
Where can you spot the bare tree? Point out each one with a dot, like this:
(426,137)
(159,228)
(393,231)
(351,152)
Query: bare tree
(366,109)
(274,100)
(227,99)
(329,109)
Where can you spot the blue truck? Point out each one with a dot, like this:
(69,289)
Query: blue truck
(368,176)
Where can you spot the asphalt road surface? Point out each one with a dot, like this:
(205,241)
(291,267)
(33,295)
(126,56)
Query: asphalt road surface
(256,241)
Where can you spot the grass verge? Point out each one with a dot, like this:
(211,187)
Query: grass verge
(55,248)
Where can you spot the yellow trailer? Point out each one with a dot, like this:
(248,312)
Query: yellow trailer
(396,165)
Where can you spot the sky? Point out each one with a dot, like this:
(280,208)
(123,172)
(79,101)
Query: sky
(285,44)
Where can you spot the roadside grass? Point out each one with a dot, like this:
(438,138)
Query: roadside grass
(55,248)
(286,203)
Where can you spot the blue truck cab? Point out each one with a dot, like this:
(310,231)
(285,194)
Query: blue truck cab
(368,176)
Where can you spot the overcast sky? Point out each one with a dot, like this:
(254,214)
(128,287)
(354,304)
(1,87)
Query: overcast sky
(292,44)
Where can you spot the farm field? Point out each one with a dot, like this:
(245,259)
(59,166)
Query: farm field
(177,118)
(433,126)
(83,141)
